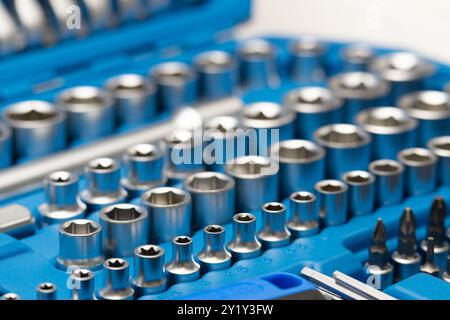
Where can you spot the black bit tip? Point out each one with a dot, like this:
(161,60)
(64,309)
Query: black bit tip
(429,266)
(378,251)
(407,243)
(436,222)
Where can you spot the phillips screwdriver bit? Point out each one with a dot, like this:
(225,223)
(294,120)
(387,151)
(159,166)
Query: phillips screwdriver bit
(379,270)
(429,266)
(436,230)
(406,258)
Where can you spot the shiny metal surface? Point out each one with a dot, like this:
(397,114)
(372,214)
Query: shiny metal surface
(361,192)
(440,146)
(332,196)
(149,276)
(306,56)
(303,218)
(244,244)
(214,256)
(273,232)
(116,283)
(182,267)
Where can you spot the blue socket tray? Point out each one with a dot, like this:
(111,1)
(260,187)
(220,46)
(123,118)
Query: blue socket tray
(27,260)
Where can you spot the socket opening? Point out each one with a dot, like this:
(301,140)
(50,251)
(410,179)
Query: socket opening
(274,207)
(102,164)
(249,166)
(358,53)
(440,146)
(303,196)
(312,100)
(172,73)
(427,105)
(80,227)
(417,157)
(214,229)
(182,240)
(404,61)
(10,296)
(129,85)
(143,150)
(385,167)
(263,111)
(166,196)
(358,177)
(80,98)
(386,120)
(307,46)
(214,61)
(60,177)
(31,111)
(46,287)
(116,263)
(149,251)
(359,81)
(331,186)
(82,273)
(297,151)
(208,182)
(244,217)
(257,49)
(180,137)
(341,136)
(123,212)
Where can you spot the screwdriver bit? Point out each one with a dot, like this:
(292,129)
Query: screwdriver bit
(406,258)
(436,230)
(378,268)
(429,266)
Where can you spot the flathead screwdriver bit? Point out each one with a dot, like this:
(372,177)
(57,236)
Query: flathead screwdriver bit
(429,266)
(406,258)
(378,268)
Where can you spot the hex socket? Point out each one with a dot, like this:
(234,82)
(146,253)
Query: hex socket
(333,202)
(389,181)
(303,218)
(306,65)
(361,192)
(6,151)
(440,146)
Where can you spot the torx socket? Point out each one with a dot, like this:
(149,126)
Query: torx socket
(440,146)
(348,147)
(303,218)
(182,267)
(391,128)
(6,151)
(46,291)
(268,123)
(302,164)
(144,168)
(431,109)
(224,139)
(83,284)
(135,98)
(273,232)
(102,184)
(389,181)
(125,227)
(359,90)
(214,256)
(90,112)
(244,244)
(332,196)
(256,181)
(10,296)
(176,84)
(38,128)
(116,283)
(257,64)
(170,213)
(420,170)
(184,154)
(80,244)
(361,192)
(149,277)
(356,57)
(62,202)
(211,190)
(405,71)
(315,107)
(217,74)
(306,60)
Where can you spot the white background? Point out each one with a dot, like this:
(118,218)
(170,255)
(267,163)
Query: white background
(420,25)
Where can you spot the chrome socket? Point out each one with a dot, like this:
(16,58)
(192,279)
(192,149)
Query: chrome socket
(58,13)
(170,213)
(405,72)
(332,196)
(103,184)
(258,67)
(38,128)
(128,10)
(432,109)
(225,131)
(184,155)
(182,267)
(361,192)
(90,111)
(389,181)
(256,181)
(440,146)
(116,283)
(149,277)
(125,227)
(306,65)
(244,244)
(359,90)
(273,232)
(144,168)
(217,74)
(348,147)
(10,296)
(356,57)
(6,150)
(211,190)
(61,199)
(302,164)
(391,128)
(100,14)
(446,273)
(214,256)
(135,98)
(46,291)
(303,214)
(11,39)
(315,107)
(80,244)
(84,284)
(420,170)
(263,118)
(176,84)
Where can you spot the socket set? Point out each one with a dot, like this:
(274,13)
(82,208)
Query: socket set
(144,157)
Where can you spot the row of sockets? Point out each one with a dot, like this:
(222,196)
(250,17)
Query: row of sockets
(26,24)
(90,112)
